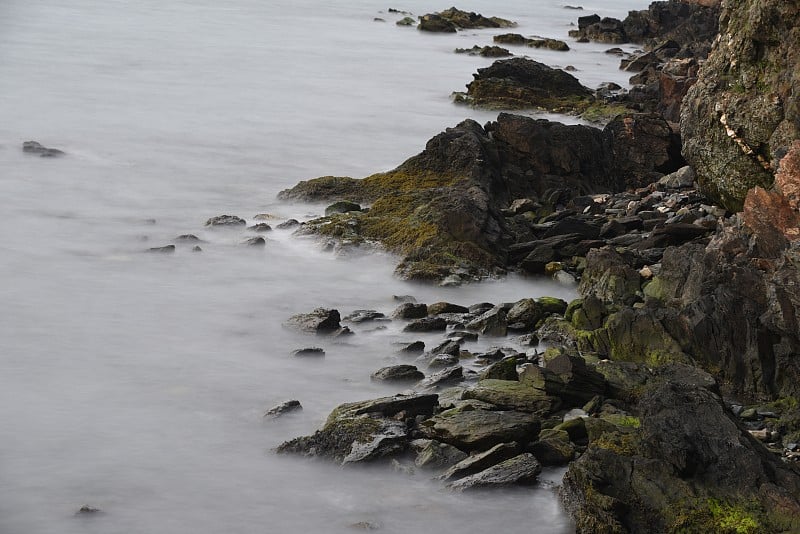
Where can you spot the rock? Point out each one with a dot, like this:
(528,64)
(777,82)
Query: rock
(309,351)
(609,278)
(520,83)
(436,455)
(491,323)
(525,311)
(88,510)
(34,147)
(255,241)
(551,305)
(260,227)
(445,307)
(427,324)
(398,373)
(436,23)
(364,431)
(513,395)
(166,249)
(196,248)
(410,310)
(288,224)
(580,382)
(361,316)
(741,116)
(517,39)
(680,179)
(484,51)
(450,19)
(553,451)
(226,220)
(442,360)
(188,238)
(406,21)
(320,321)
(605,30)
(414,347)
(505,369)
(447,376)
(479,461)
(284,408)
(451,347)
(480,429)
(522,469)
(342,206)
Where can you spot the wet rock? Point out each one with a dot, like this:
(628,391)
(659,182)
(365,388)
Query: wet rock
(398,373)
(188,238)
(609,278)
(88,510)
(34,147)
(255,241)
(284,408)
(553,451)
(513,395)
(364,431)
(361,316)
(343,206)
(447,376)
(451,347)
(309,351)
(461,336)
(260,227)
(525,311)
(450,19)
(166,249)
(522,469)
(491,323)
(414,347)
(196,248)
(605,30)
(480,429)
(484,51)
(520,83)
(427,324)
(436,455)
(446,307)
(505,369)
(226,220)
(320,321)
(442,360)
(479,461)
(436,23)
(410,310)
(406,21)
(288,224)
(517,39)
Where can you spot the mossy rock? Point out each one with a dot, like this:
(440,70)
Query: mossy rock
(552,305)
(513,395)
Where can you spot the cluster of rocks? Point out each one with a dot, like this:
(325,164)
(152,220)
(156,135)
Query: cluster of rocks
(453,19)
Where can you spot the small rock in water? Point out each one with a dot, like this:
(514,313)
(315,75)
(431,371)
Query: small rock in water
(343,206)
(260,227)
(188,238)
(167,249)
(414,347)
(428,324)
(404,299)
(255,242)
(34,147)
(309,351)
(284,408)
(365,525)
(87,510)
(196,248)
(264,217)
(398,373)
(410,310)
(226,220)
(285,225)
(360,316)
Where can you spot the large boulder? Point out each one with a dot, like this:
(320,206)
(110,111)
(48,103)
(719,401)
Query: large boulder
(474,430)
(742,115)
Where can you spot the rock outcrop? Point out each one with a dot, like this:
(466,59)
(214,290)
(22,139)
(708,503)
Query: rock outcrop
(742,115)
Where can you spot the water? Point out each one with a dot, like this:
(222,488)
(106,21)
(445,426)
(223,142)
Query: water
(135,382)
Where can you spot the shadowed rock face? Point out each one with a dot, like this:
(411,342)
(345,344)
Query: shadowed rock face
(742,115)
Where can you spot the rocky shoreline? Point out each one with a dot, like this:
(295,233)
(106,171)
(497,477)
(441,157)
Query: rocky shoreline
(670,387)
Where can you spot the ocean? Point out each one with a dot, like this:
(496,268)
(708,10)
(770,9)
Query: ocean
(135,382)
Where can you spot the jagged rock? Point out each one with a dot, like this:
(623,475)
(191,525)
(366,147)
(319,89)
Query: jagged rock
(427,324)
(520,83)
(308,351)
(451,19)
(364,431)
(609,278)
(226,220)
(361,316)
(414,347)
(410,310)
(447,376)
(480,429)
(505,369)
(484,51)
(682,178)
(433,454)
(522,469)
(434,22)
(450,347)
(284,408)
(513,395)
(320,321)
(479,461)
(398,373)
(525,311)
(517,39)
(491,323)
(742,115)
(553,451)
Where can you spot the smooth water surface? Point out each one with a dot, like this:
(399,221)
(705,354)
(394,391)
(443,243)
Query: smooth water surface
(135,382)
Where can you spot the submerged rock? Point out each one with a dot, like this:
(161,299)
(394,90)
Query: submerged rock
(284,408)
(34,147)
(226,220)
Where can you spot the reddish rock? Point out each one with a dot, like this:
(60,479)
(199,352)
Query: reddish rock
(772,219)
(787,180)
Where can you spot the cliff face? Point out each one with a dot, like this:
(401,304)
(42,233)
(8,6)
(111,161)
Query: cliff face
(741,116)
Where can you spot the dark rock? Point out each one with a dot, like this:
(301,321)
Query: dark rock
(413,347)
(520,83)
(342,206)
(255,241)
(188,238)
(361,316)
(447,376)
(462,336)
(553,451)
(309,351)
(226,220)
(406,21)
(436,23)
(505,369)
(450,347)
(450,19)
(288,224)
(34,147)
(480,429)
(436,455)
(445,307)
(491,323)
(260,227)
(485,51)
(605,30)
(442,360)
(284,408)
(427,324)
(477,462)
(320,321)
(513,395)
(398,373)
(410,310)
(166,249)
(522,469)
(86,509)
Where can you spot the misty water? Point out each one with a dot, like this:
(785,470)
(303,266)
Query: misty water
(136,382)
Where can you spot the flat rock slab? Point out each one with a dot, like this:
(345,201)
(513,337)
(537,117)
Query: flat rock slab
(477,430)
(522,469)
(512,395)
